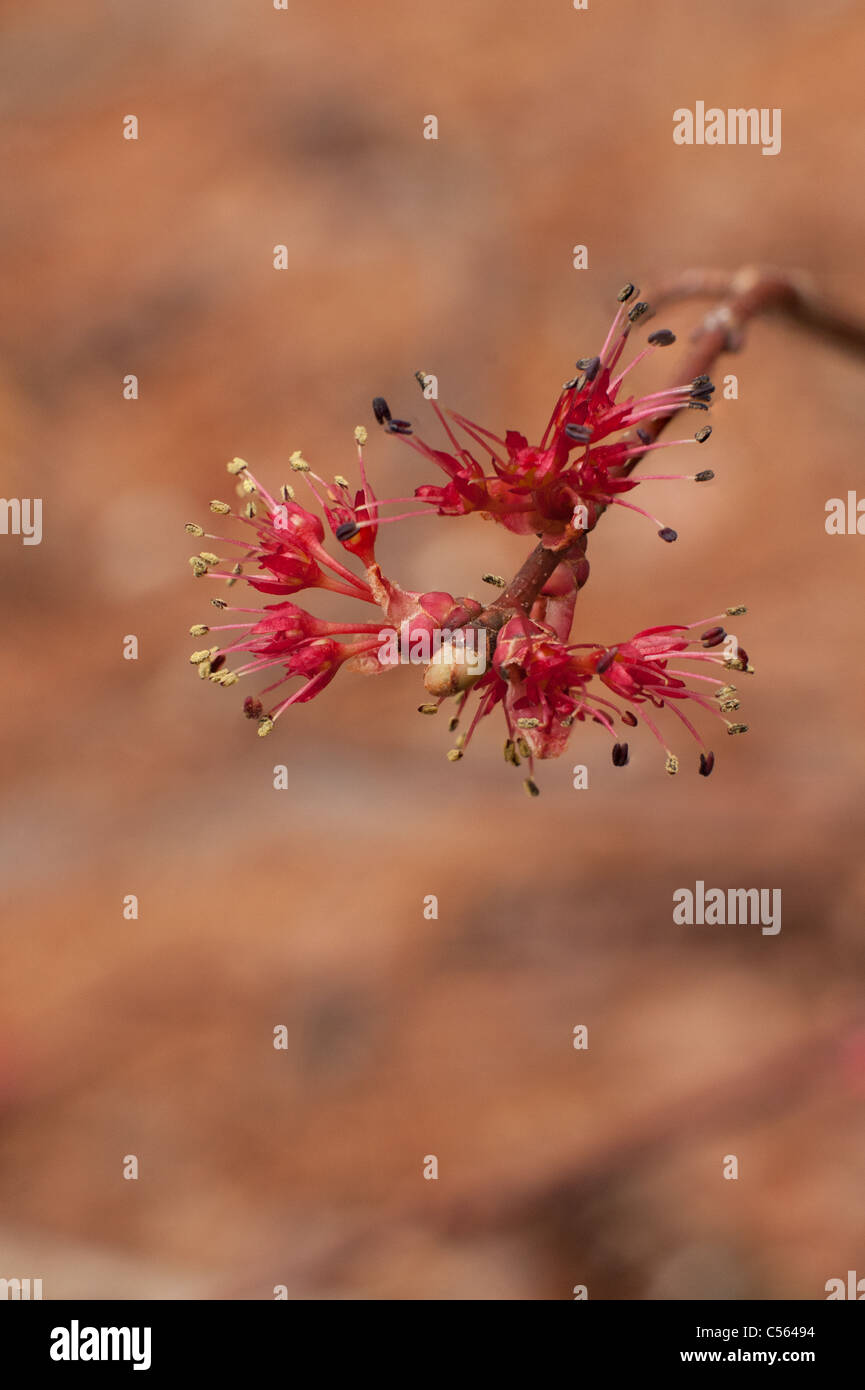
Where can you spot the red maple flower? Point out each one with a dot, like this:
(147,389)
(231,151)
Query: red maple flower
(546,685)
(524,660)
(562,484)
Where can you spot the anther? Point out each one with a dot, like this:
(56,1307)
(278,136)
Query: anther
(381,409)
(621,755)
(694,404)
(523,748)
(736,611)
(713,637)
(454,755)
(197,657)
(643,435)
(531,787)
(511,752)
(298,463)
(286,492)
(668,534)
(219,603)
(194,529)
(637,312)
(625,293)
(707,762)
(236,466)
(346,530)
(340,480)
(576,383)
(360,434)
(662,337)
(590,365)
(606,661)
(221,508)
(495,579)
(198,566)
(199,630)
(398,427)
(427,709)
(252,708)
(703,434)
(528,723)
(208,557)
(581,433)
(704,476)
(453,722)
(672,764)
(629,718)
(264,726)
(737,728)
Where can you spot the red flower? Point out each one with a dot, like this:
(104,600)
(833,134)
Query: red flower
(539,488)
(288,554)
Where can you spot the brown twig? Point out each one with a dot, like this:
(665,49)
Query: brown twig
(742,296)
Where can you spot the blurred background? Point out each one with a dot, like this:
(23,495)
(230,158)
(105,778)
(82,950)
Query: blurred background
(409,1037)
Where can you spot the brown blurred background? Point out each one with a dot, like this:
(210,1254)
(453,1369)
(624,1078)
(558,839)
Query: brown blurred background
(259,907)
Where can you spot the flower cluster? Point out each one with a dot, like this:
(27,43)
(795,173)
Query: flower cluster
(561,485)
(557,489)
